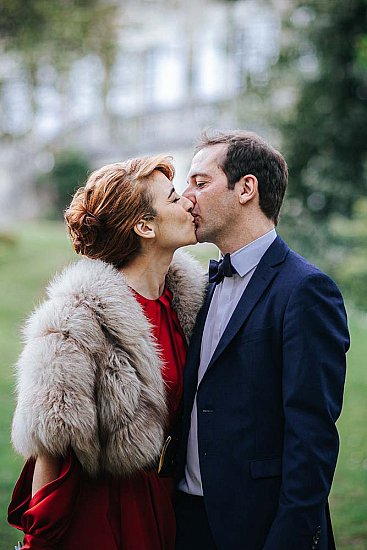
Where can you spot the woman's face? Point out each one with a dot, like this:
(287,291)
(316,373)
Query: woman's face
(174,224)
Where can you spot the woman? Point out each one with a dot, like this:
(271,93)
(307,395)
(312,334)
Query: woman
(100,377)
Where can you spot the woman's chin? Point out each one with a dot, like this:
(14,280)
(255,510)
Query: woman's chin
(189,242)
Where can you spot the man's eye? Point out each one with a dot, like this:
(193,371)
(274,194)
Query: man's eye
(200,183)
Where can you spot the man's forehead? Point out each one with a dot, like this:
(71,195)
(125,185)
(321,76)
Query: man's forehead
(212,154)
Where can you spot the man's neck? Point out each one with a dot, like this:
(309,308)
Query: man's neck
(243,238)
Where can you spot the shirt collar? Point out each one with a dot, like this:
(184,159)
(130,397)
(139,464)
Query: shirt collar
(247,257)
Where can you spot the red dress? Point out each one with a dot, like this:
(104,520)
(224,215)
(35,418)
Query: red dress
(76,511)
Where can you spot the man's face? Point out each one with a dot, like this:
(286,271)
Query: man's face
(215,205)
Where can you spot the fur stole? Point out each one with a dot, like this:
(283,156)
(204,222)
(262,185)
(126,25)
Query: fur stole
(89,376)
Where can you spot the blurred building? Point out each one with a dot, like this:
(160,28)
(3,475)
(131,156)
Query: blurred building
(180,66)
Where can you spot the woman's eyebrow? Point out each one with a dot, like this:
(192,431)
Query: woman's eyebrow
(171,191)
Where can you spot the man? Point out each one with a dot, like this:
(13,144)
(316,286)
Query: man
(265,369)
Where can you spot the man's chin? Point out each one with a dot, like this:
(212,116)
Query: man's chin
(199,236)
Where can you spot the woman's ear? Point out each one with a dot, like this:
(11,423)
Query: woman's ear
(248,188)
(145,229)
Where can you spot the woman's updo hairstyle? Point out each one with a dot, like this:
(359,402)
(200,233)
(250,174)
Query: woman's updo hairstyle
(102,215)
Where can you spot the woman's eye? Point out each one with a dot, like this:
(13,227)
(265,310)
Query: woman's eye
(176,199)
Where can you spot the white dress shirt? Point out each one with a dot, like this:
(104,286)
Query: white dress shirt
(224,301)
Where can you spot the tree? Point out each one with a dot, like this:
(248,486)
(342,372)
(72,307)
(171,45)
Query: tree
(54,33)
(56,188)
(59,31)
(324,58)
(325,137)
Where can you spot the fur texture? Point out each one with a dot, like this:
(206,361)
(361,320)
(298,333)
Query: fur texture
(90,377)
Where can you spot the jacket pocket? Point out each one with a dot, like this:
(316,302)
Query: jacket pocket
(266,467)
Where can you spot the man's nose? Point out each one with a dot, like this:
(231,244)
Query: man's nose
(189,193)
(188,204)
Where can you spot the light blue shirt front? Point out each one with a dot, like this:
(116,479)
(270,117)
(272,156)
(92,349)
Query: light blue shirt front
(224,301)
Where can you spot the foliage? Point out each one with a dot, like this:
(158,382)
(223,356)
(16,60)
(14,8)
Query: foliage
(69,172)
(57,31)
(325,137)
(323,72)
(338,246)
(41,41)
(352,271)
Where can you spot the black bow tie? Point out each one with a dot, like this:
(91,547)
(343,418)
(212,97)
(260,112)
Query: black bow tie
(219,270)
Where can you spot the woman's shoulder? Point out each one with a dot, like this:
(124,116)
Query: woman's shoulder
(86,297)
(83,277)
(69,289)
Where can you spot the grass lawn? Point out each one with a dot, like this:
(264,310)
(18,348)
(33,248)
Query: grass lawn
(26,265)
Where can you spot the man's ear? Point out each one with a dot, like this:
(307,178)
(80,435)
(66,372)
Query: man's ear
(145,229)
(248,188)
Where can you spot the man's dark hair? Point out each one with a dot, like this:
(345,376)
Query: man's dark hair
(248,153)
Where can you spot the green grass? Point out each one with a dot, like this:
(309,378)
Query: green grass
(349,493)
(29,258)
(27,262)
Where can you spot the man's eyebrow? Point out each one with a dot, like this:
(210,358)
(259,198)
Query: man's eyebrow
(171,191)
(198,175)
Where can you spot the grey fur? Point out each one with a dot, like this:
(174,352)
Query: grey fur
(89,376)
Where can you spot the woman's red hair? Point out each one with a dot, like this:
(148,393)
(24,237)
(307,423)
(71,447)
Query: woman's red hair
(102,215)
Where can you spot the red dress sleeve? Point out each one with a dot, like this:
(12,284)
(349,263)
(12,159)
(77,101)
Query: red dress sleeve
(45,517)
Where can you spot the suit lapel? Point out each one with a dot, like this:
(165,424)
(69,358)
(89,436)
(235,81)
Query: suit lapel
(264,274)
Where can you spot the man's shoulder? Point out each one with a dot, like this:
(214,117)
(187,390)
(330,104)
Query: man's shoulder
(298,270)
(281,253)
(301,279)
(302,265)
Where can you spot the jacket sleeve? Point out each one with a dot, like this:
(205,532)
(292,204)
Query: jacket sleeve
(315,341)
(55,390)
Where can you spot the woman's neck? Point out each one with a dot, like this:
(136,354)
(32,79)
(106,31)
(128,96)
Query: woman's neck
(146,274)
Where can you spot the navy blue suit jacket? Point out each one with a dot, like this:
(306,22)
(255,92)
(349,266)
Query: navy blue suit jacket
(267,407)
